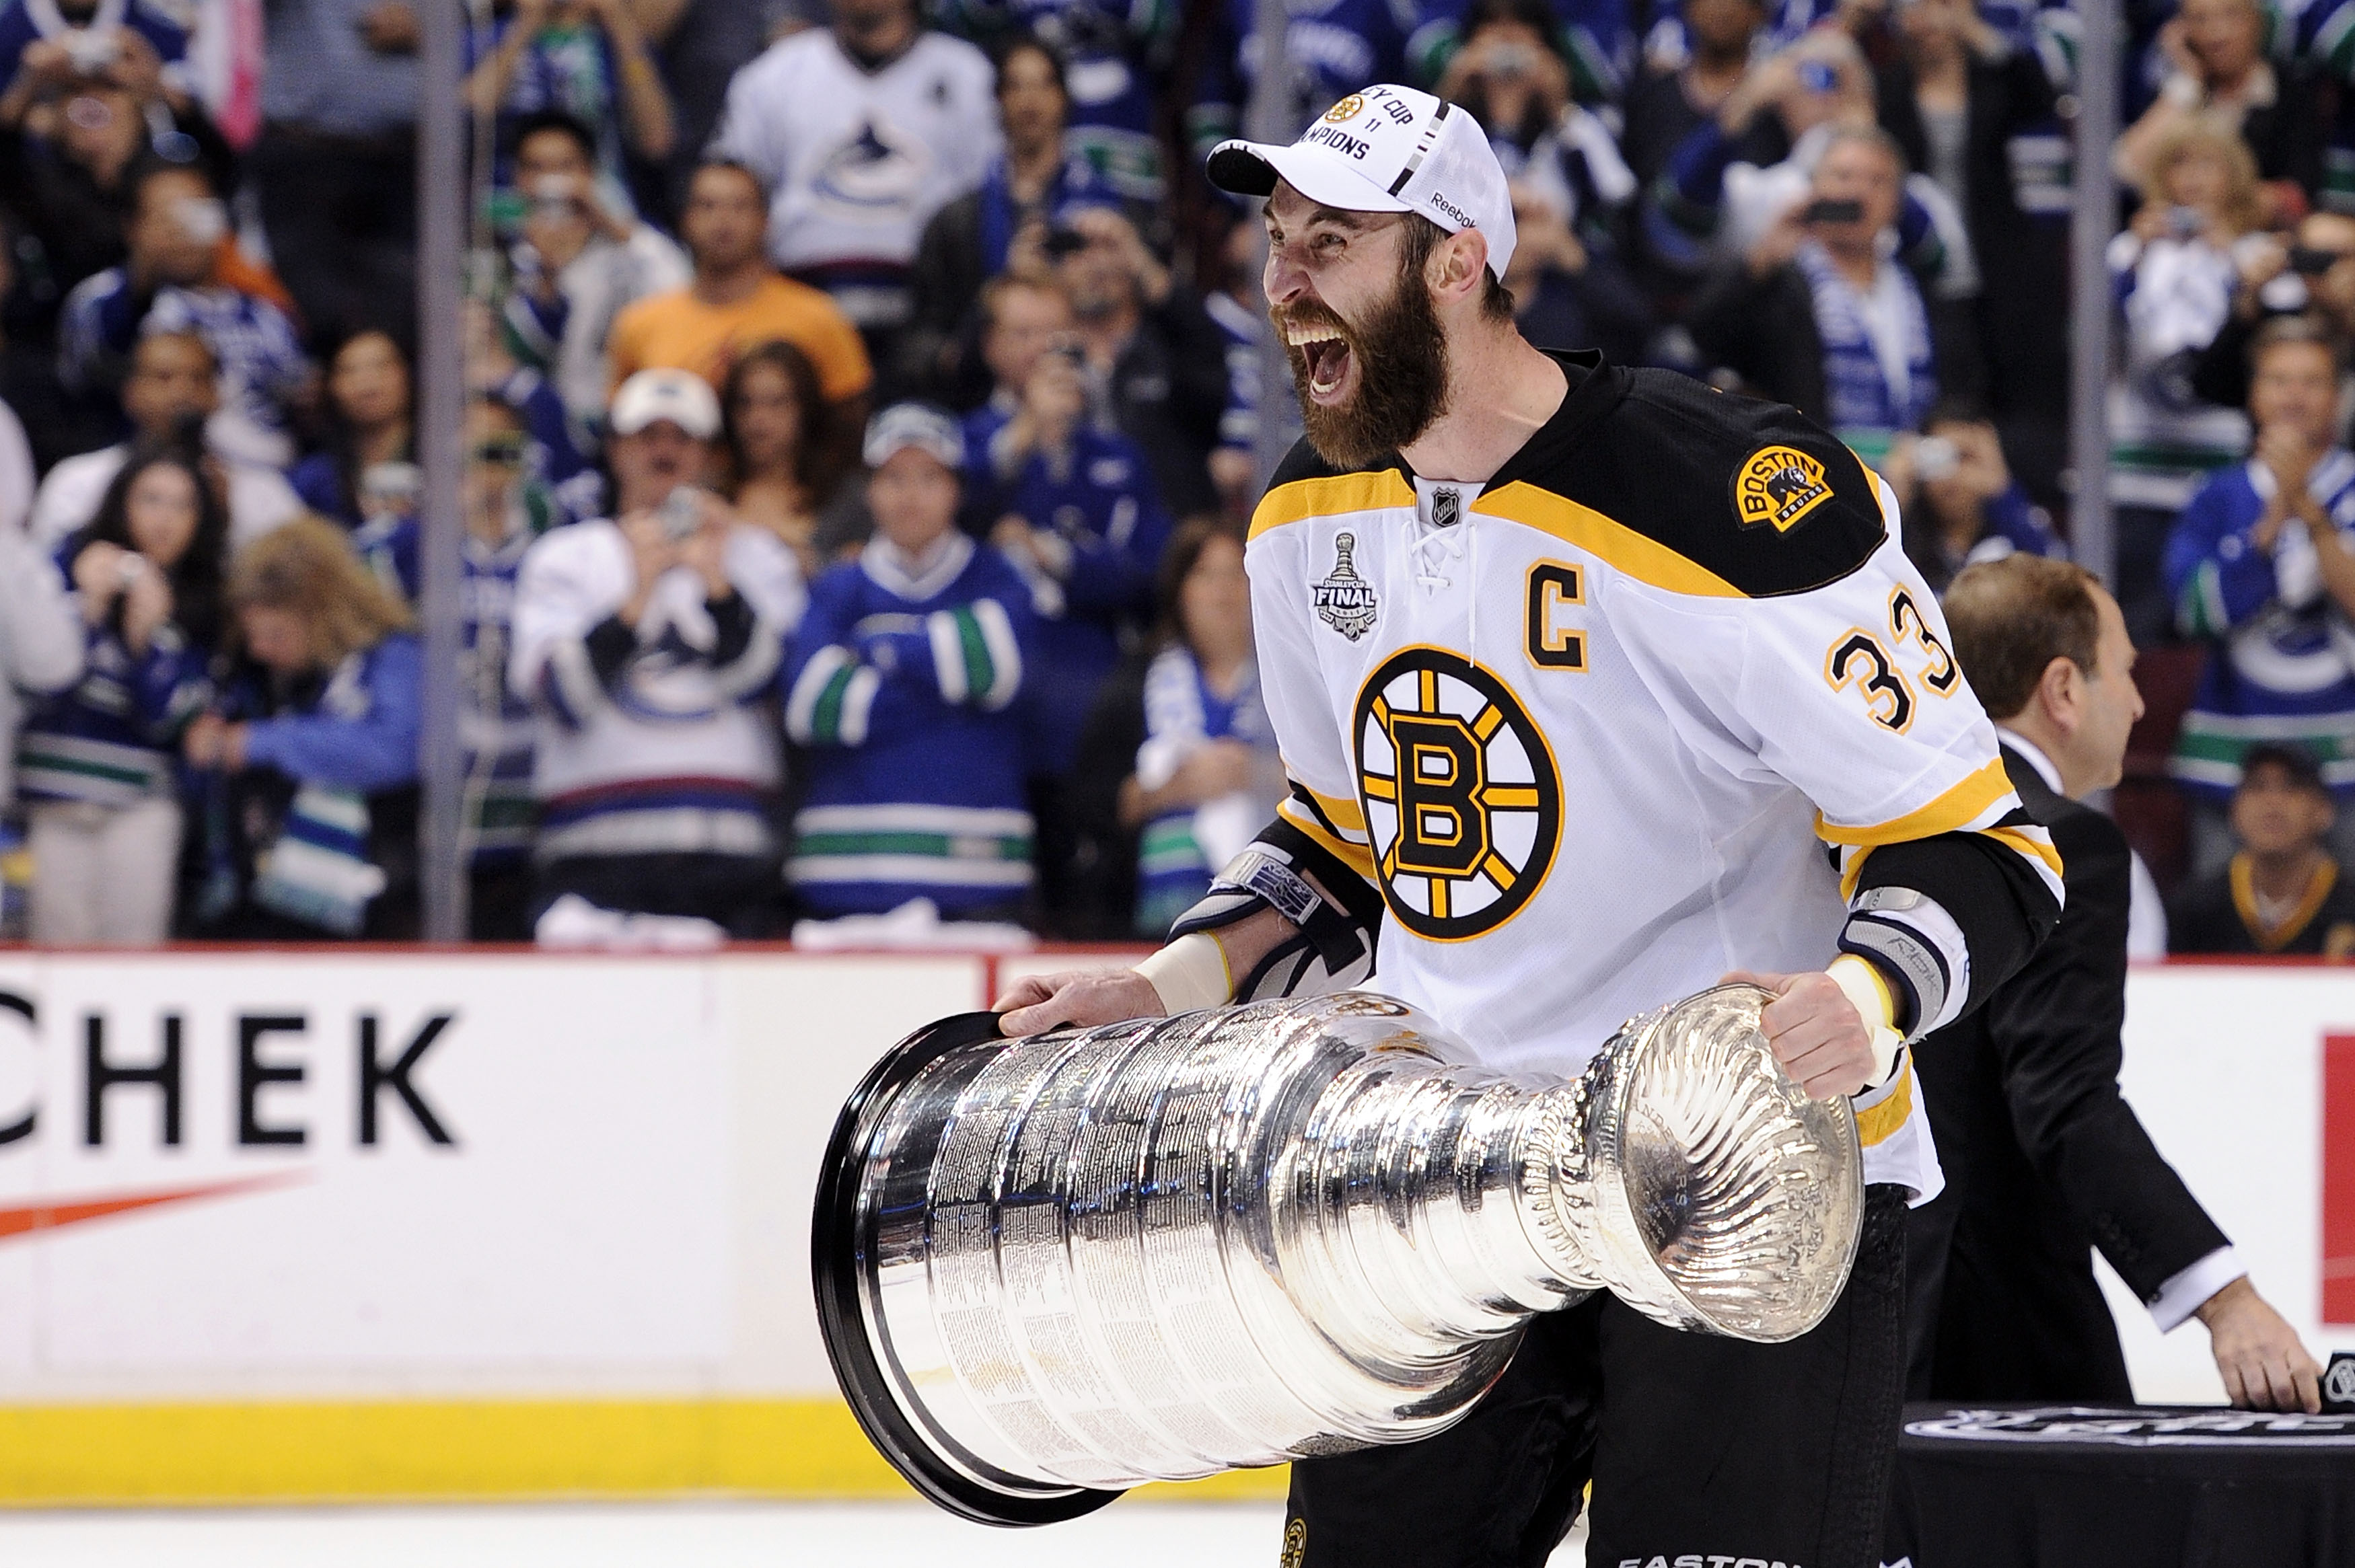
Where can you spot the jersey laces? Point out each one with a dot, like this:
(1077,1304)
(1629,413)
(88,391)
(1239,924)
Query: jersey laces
(1435,550)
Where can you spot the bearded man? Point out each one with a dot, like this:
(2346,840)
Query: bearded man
(1595,687)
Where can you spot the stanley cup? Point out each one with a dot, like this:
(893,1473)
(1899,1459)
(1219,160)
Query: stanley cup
(1050,1269)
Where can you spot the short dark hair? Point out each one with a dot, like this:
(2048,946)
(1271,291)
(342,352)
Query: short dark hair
(734,165)
(179,335)
(1871,137)
(1957,409)
(2302,768)
(147,168)
(2010,619)
(556,120)
(1026,43)
(1423,238)
(2310,329)
(1535,14)
(993,295)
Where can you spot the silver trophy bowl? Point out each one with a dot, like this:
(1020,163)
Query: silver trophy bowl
(1053,1267)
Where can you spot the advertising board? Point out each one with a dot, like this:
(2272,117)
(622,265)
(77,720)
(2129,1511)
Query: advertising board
(334,1222)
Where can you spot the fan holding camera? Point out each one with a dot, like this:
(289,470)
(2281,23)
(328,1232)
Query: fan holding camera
(2312,273)
(95,761)
(1509,74)
(645,643)
(184,271)
(1740,180)
(55,47)
(1153,360)
(1074,509)
(2214,52)
(2175,269)
(1960,502)
(1819,314)
(575,259)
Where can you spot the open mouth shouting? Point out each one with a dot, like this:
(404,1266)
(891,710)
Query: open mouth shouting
(1370,387)
(1322,353)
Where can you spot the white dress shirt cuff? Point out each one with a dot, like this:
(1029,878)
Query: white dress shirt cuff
(2183,1295)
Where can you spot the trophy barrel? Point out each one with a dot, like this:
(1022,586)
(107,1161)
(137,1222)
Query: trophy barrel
(971,1490)
(1049,1268)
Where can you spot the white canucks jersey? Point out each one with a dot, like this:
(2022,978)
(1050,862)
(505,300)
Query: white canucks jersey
(1592,727)
(857,162)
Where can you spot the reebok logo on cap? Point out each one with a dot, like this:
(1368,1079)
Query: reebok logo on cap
(1386,149)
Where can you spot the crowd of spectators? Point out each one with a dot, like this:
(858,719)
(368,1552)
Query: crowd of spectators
(862,401)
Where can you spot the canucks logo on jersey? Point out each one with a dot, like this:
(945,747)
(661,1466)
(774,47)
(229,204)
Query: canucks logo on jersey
(881,169)
(1346,601)
(1463,801)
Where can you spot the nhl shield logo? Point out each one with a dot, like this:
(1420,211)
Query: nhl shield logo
(1446,508)
(1345,601)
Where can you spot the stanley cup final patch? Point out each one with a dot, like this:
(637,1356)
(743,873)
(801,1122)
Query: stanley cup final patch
(1345,601)
(1779,485)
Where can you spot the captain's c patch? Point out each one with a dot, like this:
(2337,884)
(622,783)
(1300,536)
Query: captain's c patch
(1778,486)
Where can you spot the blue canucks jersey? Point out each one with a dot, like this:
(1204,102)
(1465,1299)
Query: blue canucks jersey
(2283,666)
(1098,507)
(900,685)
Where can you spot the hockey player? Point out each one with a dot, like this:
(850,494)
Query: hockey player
(900,684)
(1593,685)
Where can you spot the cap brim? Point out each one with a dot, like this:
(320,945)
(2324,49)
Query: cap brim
(877,453)
(1323,175)
(693,430)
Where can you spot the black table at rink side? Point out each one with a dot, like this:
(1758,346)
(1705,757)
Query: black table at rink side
(2047,1486)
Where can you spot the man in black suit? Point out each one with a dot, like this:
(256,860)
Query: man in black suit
(2044,1160)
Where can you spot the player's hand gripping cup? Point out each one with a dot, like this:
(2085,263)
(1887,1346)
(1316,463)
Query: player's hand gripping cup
(1053,1267)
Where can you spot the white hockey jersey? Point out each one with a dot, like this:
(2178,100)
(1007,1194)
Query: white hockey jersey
(857,162)
(1591,726)
(669,753)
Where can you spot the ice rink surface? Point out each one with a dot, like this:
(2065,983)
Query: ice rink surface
(644,1535)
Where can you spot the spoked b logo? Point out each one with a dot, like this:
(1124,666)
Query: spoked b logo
(1463,802)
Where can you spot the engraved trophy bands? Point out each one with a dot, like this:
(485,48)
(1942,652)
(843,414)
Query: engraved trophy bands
(1053,1267)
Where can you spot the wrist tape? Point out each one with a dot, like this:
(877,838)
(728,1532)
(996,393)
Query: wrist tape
(1190,974)
(1864,985)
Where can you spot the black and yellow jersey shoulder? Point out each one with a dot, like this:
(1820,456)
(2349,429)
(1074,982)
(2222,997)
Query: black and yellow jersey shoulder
(1668,478)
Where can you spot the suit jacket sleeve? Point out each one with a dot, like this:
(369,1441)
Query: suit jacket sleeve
(2056,1029)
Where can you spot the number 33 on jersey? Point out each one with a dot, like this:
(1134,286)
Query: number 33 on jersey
(1590,726)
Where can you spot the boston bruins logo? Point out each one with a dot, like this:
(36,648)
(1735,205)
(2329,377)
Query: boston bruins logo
(1778,486)
(1463,803)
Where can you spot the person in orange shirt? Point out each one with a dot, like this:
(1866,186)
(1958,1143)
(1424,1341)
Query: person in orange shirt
(736,301)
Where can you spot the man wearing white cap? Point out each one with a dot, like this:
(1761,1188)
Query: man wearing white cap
(1594,686)
(643,645)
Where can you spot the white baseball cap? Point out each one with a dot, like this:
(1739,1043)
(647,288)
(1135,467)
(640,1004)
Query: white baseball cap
(650,396)
(1386,149)
(918,425)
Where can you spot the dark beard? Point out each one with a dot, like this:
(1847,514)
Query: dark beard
(1401,364)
